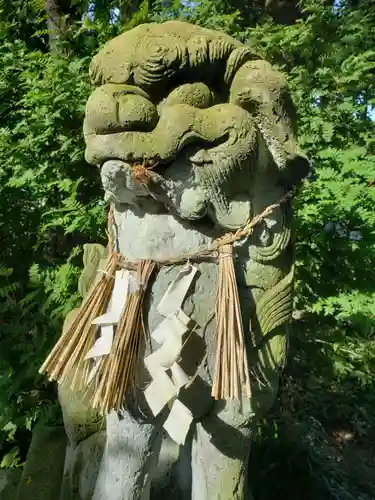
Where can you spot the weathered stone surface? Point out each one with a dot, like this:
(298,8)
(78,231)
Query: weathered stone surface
(82,464)
(42,474)
(164,481)
(79,419)
(9,480)
(218,124)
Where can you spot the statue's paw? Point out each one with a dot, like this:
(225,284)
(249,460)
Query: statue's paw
(193,203)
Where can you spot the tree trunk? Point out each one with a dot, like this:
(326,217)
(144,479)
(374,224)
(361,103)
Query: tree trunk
(284,11)
(129,7)
(55,24)
(60,14)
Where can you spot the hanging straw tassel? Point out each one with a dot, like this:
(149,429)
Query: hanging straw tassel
(116,375)
(67,358)
(70,350)
(231,378)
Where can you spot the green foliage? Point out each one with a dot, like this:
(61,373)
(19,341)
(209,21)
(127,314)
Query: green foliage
(336,219)
(50,204)
(329,59)
(211,15)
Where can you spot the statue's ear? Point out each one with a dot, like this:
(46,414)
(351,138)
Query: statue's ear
(297,168)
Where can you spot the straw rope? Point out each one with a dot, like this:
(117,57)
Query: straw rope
(115,377)
(212,251)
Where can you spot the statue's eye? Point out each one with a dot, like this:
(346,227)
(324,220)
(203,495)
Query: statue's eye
(119,108)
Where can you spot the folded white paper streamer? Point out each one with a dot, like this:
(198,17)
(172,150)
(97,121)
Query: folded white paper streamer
(118,300)
(159,392)
(166,356)
(179,377)
(169,335)
(177,290)
(178,422)
(168,325)
(103,344)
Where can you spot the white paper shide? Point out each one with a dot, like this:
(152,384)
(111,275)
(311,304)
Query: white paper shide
(164,388)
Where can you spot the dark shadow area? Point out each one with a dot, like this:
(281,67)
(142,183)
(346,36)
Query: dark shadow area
(318,442)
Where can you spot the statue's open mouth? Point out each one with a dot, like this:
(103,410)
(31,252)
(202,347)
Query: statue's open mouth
(192,152)
(193,162)
(166,181)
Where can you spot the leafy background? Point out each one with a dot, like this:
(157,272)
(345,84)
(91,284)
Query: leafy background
(318,442)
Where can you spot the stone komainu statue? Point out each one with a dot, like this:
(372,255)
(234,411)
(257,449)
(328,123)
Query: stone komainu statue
(216,123)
